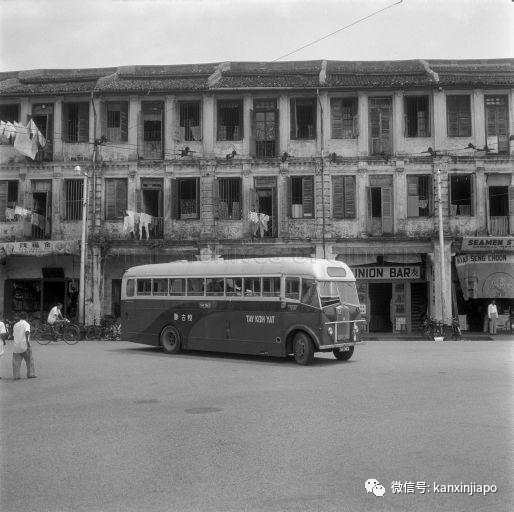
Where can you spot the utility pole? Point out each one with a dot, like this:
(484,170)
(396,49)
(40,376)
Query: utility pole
(82,275)
(441,247)
(322,169)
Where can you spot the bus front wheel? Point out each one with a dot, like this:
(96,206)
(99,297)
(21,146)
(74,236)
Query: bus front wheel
(170,339)
(341,355)
(303,348)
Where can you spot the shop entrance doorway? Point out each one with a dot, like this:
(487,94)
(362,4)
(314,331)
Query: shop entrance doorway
(54,291)
(380,295)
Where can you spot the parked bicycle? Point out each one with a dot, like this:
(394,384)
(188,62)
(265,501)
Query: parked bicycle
(435,328)
(67,331)
(108,330)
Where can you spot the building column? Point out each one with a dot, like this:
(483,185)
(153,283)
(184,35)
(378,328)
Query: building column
(283,108)
(133,126)
(478,116)
(363,139)
(208,124)
(247,123)
(439,120)
(398,122)
(170,126)
(58,134)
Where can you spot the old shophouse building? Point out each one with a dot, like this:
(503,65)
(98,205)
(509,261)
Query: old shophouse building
(311,159)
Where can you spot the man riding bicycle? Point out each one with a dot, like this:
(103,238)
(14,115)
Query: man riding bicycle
(55,317)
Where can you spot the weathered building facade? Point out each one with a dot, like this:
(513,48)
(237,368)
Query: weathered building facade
(321,158)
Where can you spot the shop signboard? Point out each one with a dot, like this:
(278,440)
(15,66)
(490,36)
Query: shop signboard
(40,247)
(487,243)
(390,273)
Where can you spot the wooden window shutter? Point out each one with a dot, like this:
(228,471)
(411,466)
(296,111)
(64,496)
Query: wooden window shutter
(452,115)
(198,209)
(124,121)
(369,208)
(121,198)
(465,117)
(83,131)
(289,185)
(387,210)
(472,193)
(338,206)
(103,119)
(139,199)
(254,201)
(511,210)
(174,199)
(308,196)
(4,187)
(216,198)
(337,118)
(277,130)
(65,120)
(241,121)
(349,197)
(110,199)
(253,145)
(292,115)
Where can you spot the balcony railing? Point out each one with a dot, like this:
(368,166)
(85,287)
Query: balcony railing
(498,226)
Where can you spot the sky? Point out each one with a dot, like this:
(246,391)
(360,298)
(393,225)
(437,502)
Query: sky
(48,34)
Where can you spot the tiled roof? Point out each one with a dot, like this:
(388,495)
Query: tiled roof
(252,75)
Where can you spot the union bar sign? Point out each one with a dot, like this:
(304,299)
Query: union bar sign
(388,273)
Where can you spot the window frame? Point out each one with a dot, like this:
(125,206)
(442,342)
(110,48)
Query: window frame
(182,111)
(429,199)
(351,109)
(223,186)
(409,109)
(224,104)
(118,199)
(344,209)
(80,133)
(463,115)
(294,104)
(307,182)
(455,210)
(73,207)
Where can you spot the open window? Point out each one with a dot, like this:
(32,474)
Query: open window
(8,199)
(73,199)
(497,123)
(227,198)
(185,198)
(230,120)
(380,210)
(153,129)
(301,197)
(265,128)
(303,118)
(75,117)
(417,121)
(462,195)
(419,196)
(190,126)
(115,121)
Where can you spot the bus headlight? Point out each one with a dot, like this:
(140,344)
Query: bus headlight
(330,331)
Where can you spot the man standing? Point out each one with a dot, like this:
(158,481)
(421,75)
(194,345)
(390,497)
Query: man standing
(3,337)
(21,348)
(492,314)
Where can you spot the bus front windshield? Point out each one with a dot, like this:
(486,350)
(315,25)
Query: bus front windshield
(334,292)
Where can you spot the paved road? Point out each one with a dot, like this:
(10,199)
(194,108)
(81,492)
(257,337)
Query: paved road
(110,426)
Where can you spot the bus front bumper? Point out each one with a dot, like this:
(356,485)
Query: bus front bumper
(341,344)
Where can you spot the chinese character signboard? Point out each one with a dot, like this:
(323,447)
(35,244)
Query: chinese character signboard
(40,247)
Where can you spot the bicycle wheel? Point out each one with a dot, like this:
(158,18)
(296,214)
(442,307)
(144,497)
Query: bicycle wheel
(71,334)
(93,332)
(44,335)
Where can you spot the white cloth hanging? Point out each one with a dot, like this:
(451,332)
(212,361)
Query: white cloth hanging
(129,222)
(144,222)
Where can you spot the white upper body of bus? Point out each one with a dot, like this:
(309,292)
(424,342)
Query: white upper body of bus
(319,269)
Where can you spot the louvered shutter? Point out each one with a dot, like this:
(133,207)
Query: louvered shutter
(216,198)
(121,198)
(369,209)
(110,199)
(174,199)
(254,201)
(349,197)
(103,120)
(465,117)
(277,131)
(83,130)
(453,116)
(338,206)
(472,194)
(308,196)
(503,130)
(253,145)
(337,118)
(124,121)
(198,206)
(289,185)
(65,122)
(487,210)
(139,200)
(292,117)
(4,186)
(511,210)
(387,210)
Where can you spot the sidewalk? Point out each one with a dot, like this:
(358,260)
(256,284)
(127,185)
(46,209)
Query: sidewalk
(416,336)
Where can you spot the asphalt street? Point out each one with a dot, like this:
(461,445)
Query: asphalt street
(113,426)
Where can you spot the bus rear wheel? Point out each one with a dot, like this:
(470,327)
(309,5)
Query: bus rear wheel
(341,355)
(170,340)
(303,348)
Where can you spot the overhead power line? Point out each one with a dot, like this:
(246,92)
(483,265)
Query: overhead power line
(338,30)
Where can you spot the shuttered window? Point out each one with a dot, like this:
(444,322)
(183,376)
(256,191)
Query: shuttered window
(10,113)
(75,122)
(189,112)
(343,113)
(459,115)
(301,194)
(115,198)
(227,198)
(497,124)
(303,118)
(343,197)
(185,198)
(73,193)
(417,122)
(115,121)
(8,199)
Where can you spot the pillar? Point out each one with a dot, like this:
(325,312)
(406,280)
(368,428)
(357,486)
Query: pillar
(438,292)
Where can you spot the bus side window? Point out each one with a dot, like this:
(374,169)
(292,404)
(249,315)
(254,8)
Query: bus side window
(160,287)
(271,286)
(130,288)
(252,286)
(144,287)
(310,292)
(234,286)
(215,286)
(292,288)
(177,286)
(195,286)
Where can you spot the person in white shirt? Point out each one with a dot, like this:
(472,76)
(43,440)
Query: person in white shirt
(55,315)
(21,349)
(3,337)
(492,314)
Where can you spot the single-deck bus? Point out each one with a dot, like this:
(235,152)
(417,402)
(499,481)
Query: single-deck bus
(269,306)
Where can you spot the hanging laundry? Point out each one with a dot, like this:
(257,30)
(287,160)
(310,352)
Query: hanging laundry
(263,223)
(144,222)
(39,221)
(22,212)
(9,214)
(129,222)
(23,143)
(253,217)
(9,132)
(36,134)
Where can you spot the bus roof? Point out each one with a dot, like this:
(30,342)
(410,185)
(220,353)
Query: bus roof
(316,268)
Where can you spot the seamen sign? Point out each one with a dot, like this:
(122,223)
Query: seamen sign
(388,273)
(487,243)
